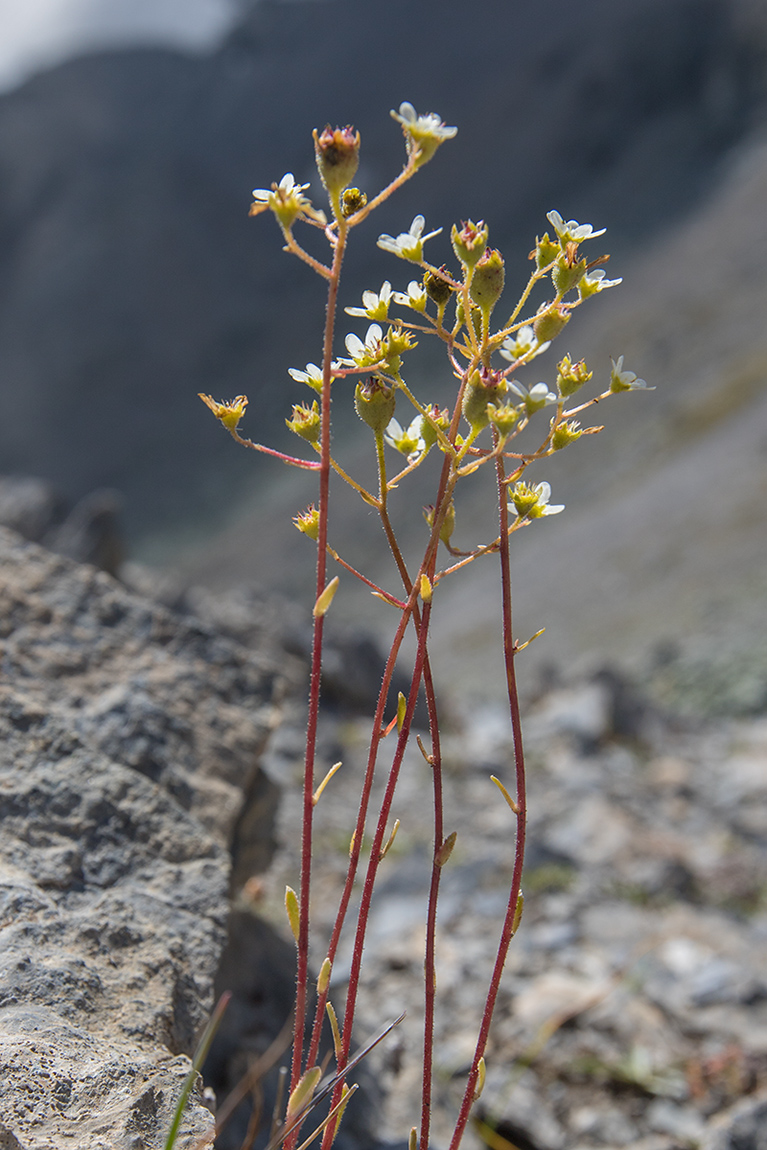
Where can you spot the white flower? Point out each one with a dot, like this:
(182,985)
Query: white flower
(531,501)
(408,245)
(572,230)
(367,353)
(286,200)
(415,298)
(376,305)
(410,442)
(621,380)
(594,282)
(423,134)
(312,376)
(523,346)
(534,398)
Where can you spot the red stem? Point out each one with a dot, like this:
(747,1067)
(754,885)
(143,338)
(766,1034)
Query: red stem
(519,851)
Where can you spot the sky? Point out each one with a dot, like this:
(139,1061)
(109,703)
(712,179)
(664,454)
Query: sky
(36,34)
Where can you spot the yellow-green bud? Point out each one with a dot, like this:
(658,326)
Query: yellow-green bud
(571,376)
(482,389)
(305,421)
(503,417)
(448,523)
(548,324)
(565,434)
(545,252)
(395,342)
(568,272)
(308,522)
(352,200)
(488,279)
(428,428)
(374,402)
(338,155)
(470,242)
(437,288)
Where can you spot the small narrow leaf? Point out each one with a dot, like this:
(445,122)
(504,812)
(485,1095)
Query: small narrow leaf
(324,783)
(521,646)
(445,851)
(323,978)
(387,845)
(291,906)
(506,794)
(302,1095)
(332,1018)
(426,589)
(518,913)
(326,598)
(480,1085)
(401,709)
(413,1139)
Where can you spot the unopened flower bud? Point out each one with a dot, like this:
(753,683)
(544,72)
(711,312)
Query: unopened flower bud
(374,402)
(571,376)
(308,522)
(338,156)
(565,434)
(437,288)
(568,271)
(545,252)
(305,421)
(548,324)
(470,243)
(483,388)
(448,523)
(352,200)
(436,419)
(488,279)
(503,417)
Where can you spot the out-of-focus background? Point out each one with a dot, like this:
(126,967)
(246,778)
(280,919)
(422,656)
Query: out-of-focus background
(131,278)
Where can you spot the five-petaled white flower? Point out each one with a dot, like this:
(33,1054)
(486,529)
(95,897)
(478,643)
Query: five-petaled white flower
(594,282)
(531,500)
(534,398)
(523,346)
(364,354)
(415,298)
(286,200)
(572,230)
(376,305)
(312,376)
(427,130)
(408,245)
(410,442)
(621,380)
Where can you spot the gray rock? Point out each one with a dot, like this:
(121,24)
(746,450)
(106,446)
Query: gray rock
(744,1127)
(129,750)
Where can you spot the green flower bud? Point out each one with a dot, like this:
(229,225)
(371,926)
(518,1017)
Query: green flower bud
(488,279)
(568,272)
(396,342)
(437,288)
(545,252)
(448,523)
(503,417)
(476,314)
(482,389)
(470,242)
(338,155)
(565,434)
(548,324)
(571,376)
(374,402)
(308,522)
(437,419)
(305,421)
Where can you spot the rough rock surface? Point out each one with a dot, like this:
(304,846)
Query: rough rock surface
(129,751)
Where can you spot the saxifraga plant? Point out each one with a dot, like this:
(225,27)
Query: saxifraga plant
(491,408)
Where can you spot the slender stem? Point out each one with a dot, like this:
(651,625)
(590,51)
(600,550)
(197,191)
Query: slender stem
(302,964)
(294,461)
(507,930)
(429,966)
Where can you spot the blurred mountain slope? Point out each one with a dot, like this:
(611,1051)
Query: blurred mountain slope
(131,278)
